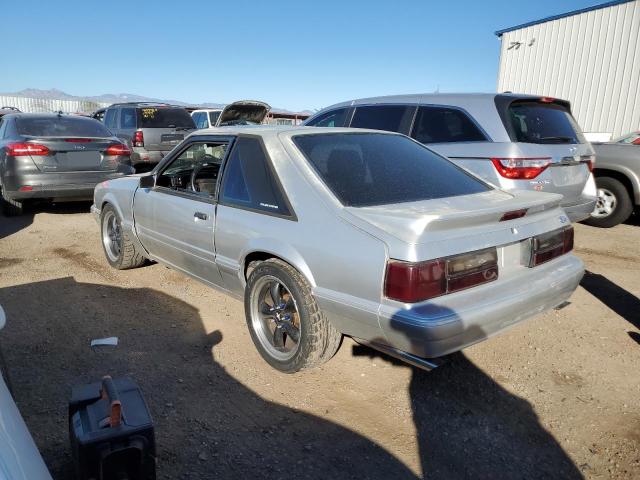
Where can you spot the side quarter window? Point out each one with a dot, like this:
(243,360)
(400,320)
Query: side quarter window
(249,181)
(110,119)
(334,118)
(445,125)
(128,118)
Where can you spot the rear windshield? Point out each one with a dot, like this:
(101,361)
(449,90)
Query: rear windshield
(366,169)
(534,122)
(62,126)
(162,117)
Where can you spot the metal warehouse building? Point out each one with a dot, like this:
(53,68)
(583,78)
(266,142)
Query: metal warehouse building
(590,57)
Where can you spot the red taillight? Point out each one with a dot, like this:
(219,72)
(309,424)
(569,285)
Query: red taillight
(26,188)
(636,141)
(118,149)
(514,214)
(550,245)
(590,160)
(521,168)
(414,282)
(78,140)
(138,139)
(33,149)
(547,99)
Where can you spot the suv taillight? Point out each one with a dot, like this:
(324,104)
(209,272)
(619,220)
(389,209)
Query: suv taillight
(521,168)
(590,160)
(138,139)
(118,149)
(550,245)
(414,282)
(33,149)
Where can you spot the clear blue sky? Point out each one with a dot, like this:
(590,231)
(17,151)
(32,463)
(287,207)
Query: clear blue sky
(292,54)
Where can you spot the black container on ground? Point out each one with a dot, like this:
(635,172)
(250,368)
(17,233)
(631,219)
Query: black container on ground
(111,431)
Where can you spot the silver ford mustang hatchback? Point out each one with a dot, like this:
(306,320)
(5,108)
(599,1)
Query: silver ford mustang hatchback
(328,232)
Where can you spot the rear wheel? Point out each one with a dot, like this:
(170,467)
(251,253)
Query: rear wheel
(286,325)
(613,205)
(120,251)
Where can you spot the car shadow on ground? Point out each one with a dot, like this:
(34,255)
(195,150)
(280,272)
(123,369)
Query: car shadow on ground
(209,425)
(624,303)
(468,426)
(11,225)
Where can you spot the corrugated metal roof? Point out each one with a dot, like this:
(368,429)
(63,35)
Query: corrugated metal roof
(562,15)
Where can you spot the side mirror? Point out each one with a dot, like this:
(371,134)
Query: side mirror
(148,181)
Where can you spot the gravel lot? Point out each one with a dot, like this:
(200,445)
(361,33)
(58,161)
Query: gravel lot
(556,397)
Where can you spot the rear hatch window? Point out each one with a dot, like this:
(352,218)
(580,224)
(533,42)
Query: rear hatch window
(368,169)
(543,123)
(163,117)
(61,126)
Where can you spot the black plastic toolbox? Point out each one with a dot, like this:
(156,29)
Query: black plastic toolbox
(111,431)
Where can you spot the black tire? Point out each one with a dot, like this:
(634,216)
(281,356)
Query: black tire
(318,339)
(128,255)
(622,209)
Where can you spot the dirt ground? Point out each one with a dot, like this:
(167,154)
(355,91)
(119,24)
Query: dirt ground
(555,397)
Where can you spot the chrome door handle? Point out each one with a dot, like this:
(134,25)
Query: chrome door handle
(200,216)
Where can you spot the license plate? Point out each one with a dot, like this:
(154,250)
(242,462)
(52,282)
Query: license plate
(171,138)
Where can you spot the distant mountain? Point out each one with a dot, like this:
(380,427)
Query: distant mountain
(56,94)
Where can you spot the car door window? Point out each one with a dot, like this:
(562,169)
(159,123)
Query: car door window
(443,124)
(2,127)
(249,181)
(392,118)
(110,119)
(195,170)
(334,118)
(128,118)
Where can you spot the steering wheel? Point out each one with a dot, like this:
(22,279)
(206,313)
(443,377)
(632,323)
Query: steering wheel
(210,161)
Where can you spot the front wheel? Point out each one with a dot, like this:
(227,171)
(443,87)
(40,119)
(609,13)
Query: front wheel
(613,205)
(120,251)
(286,325)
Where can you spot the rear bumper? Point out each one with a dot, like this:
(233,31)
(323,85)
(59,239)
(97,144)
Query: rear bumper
(580,211)
(57,186)
(142,155)
(440,327)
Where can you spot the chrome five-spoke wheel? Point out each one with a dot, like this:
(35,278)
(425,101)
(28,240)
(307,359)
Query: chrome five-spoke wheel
(112,235)
(275,318)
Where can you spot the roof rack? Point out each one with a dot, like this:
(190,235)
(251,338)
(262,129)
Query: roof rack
(143,103)
(11,108)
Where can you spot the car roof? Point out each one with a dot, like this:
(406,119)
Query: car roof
(428,98)
(280,130)
(207,110)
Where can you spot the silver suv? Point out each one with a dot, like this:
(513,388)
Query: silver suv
(150,129)
(516,142)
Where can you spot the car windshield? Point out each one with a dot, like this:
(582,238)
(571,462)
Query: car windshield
(61,126)
(213,117)
(163,117)
(534,122)
(368,169)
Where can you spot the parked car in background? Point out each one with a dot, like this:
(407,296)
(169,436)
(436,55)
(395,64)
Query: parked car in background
(332,231)
(206,118)
(19,456)
(7,110)
(149,129)
(98,114)
(515,142)
(617,179)
(55,157)
(242,112)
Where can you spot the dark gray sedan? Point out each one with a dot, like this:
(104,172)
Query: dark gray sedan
(617,175)
(56,158)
